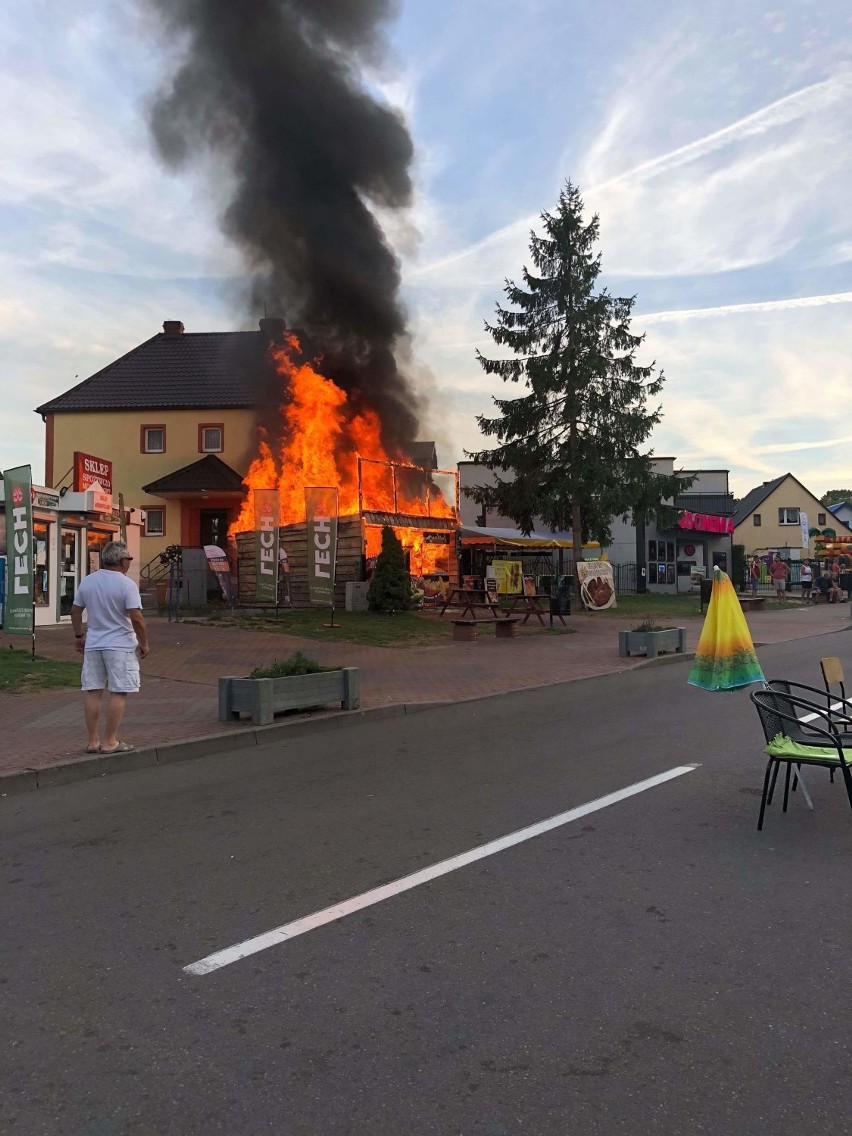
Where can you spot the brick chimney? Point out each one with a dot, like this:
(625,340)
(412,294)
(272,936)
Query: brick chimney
(273,328)
(172,329)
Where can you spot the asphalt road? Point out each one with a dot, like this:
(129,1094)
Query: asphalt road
(657,966)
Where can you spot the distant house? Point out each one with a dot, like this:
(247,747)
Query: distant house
(842,512)
(777,515)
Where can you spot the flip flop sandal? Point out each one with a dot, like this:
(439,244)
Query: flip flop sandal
(122,747)
(93,749)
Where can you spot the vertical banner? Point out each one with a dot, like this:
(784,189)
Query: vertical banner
(20,584)
(321,516)
(803,521)
(266,544)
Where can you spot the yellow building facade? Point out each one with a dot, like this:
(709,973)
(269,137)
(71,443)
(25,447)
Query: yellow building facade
(146,447)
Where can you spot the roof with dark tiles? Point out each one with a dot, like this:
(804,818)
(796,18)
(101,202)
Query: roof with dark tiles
(209,474)
(185,371)
(756,497)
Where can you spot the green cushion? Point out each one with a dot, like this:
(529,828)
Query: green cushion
(782,746)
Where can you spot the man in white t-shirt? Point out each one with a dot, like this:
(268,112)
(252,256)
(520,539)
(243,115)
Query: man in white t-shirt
(108,643)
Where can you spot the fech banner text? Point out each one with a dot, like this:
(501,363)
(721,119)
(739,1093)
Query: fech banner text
(266,544)
(321,516)
(17,487)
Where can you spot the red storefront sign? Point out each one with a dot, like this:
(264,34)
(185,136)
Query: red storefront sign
(705,522)
(89,470)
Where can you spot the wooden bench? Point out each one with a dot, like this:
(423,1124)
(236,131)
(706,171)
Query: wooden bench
(464,630)
(752,603)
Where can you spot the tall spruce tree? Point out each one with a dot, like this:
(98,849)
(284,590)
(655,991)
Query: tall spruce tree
(571,444)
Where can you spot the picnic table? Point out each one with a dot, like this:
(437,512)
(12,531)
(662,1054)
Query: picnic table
(533,606)
(468,599)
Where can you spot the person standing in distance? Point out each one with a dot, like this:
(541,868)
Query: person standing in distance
(807,578)
(780,573)
(108,644)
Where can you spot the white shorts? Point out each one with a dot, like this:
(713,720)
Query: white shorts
(118,671)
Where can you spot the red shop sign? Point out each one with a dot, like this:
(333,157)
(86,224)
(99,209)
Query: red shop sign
(705,522)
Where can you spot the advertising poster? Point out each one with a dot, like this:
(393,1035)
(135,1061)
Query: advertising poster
(321,516)
(218,564)
(509,575)
(266,544)
(597,586)
(20,582)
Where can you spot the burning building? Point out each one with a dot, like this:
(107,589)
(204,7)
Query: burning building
(324,437)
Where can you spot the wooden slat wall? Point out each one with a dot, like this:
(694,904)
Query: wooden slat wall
(294,541)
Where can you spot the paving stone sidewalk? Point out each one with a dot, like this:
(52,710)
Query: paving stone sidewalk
(178,701)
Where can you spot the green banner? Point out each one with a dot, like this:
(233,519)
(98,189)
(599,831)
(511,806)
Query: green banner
(266,544)
(18,496)
(321,516)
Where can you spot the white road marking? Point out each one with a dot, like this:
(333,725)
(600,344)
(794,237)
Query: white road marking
(387,891)
(811,717)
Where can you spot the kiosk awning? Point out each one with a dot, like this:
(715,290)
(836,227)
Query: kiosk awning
(513,538)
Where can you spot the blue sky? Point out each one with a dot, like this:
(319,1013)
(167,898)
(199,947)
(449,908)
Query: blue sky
(714,141)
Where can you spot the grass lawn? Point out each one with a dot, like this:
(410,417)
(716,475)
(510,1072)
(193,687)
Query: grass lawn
(20,672)
(405,629)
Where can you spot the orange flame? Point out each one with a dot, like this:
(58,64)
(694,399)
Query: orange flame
(324,437)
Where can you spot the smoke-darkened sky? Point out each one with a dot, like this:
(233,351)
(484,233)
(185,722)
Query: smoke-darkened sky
(274,89)
(715,142)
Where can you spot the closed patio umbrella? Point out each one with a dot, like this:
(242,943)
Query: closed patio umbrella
(725,658)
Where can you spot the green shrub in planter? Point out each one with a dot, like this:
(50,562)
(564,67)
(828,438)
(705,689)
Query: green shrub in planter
(297,664)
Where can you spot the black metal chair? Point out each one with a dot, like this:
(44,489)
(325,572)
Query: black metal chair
(835,706)
(796,739)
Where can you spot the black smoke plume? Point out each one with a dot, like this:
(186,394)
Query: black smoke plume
(275,87)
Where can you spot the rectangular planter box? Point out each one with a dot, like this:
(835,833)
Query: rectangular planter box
(651,643)
(263,698)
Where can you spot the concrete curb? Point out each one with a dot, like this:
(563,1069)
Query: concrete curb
(147,757)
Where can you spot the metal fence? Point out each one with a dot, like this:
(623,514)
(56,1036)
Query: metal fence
(625,577)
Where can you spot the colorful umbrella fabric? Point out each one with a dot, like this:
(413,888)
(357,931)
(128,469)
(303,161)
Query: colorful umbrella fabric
(725,658)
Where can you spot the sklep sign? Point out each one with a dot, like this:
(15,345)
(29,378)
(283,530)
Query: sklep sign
(89,471)
(18,616)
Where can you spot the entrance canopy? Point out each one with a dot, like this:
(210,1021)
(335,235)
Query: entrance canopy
(513,538)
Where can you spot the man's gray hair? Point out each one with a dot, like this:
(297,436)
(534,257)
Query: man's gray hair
(114,552)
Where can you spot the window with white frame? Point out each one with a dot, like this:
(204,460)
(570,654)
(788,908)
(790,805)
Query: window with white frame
(788,516)
(211,438)
(155,522)
(153,439)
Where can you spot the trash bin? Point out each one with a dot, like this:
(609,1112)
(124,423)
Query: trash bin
(560,603)
(706,587)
